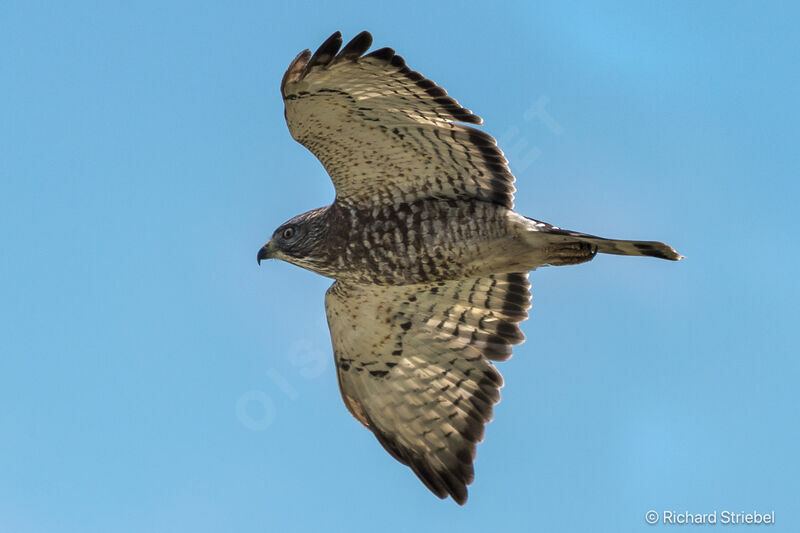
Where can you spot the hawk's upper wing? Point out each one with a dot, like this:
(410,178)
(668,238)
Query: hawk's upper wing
(413,366)
(384,133)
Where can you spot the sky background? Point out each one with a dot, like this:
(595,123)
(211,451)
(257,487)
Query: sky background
(154,378)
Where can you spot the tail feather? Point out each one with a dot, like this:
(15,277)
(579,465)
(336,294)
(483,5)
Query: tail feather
(641,248)
(563,239)
(622,247)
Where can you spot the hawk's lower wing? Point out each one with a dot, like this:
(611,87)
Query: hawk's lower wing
(413,366)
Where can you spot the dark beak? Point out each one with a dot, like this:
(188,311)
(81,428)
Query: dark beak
(265,252)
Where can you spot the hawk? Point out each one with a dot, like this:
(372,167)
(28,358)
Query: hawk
(429,259)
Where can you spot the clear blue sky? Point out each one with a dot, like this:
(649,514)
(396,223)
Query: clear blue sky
(153,378)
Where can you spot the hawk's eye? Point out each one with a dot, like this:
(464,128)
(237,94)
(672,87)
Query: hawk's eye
(288,233)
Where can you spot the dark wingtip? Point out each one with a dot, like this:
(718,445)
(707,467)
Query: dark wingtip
(296,68)
(356,47)
(326,51)
(384,54)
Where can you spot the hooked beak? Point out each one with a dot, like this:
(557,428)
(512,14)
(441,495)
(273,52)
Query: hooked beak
(265,252)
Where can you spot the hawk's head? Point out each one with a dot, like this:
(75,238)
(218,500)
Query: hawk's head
(296,239)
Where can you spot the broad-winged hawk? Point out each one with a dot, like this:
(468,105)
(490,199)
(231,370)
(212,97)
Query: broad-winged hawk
(431,262)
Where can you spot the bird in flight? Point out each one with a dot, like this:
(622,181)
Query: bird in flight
(429,258)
